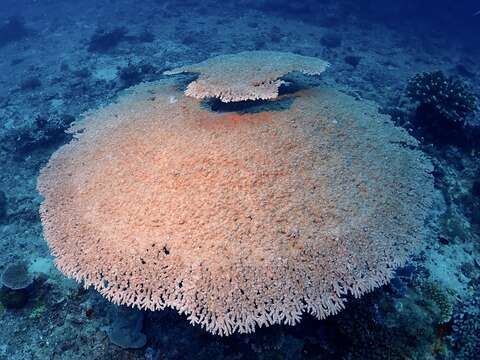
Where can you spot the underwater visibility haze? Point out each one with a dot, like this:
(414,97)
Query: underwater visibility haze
(249,179)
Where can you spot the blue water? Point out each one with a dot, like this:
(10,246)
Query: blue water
(61,58)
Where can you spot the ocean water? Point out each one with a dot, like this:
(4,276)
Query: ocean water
(395,114)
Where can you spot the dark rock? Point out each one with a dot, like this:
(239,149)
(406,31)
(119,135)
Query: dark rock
(468,270)
(126,330)
(331,20)
(298,7)
(275,34)
(3,206)
(13,299)
(130,75)
(331,41)
(287,8)
(190,38)
(398,287)
(259,43)
(30,84)
(66,119)
(17,61)
(48,130)
(146,37)
(352,60)
(406,272)
(443,240)
(152,354)
(135,73)
(82,73)
(476,188)
(104,41)
(41,121)
(13,30)
(464,71)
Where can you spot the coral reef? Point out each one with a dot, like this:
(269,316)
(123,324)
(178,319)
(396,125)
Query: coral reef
(379,327)
(441,298)
(466,325)
(45,132)
(444,103)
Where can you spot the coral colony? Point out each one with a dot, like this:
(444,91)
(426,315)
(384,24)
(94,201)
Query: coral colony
(238,220)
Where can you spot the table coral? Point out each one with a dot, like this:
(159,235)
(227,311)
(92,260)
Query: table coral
(237,220)
(249,75)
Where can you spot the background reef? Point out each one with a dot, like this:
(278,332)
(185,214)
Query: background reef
(60,58)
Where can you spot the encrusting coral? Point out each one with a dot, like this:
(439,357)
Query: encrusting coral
(248,75)
(16,276)
(237,220)
(15,282)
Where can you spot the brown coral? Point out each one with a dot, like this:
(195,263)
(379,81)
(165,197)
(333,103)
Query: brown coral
(248,75)
(238,220)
